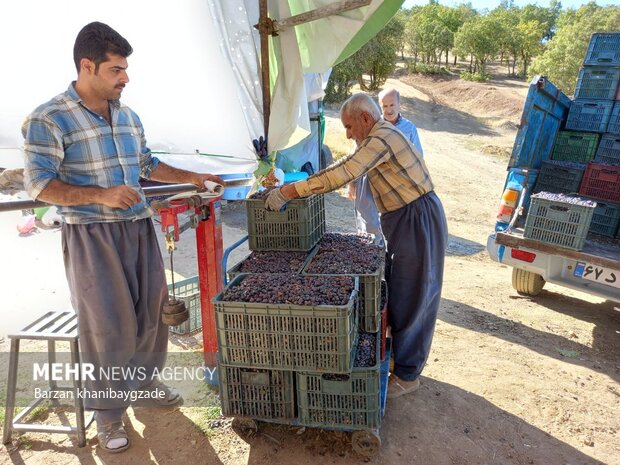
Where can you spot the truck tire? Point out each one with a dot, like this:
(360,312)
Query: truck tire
(526,282)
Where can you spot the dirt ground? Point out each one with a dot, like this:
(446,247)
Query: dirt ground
(510,379)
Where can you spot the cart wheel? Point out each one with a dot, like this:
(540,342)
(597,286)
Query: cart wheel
(245,426)
(526,282)
(365,443)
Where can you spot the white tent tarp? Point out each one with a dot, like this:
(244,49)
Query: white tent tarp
(181,85)
(195,74)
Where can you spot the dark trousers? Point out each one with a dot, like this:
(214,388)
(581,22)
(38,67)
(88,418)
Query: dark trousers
(118,288)
(416,237)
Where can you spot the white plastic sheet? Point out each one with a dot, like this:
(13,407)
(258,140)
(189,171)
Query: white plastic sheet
(181,85)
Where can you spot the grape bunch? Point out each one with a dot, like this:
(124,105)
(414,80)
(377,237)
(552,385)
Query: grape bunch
(366,355)
(383,294)
(331,239)
(335,377)
(346,254)
(569,199)
(261,195)
(291,289)
(273,262)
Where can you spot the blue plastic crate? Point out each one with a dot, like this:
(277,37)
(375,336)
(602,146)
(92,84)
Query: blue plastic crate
(597,83)
(603,50)
(589,115)
(605,218)
(613,127)
(608,150)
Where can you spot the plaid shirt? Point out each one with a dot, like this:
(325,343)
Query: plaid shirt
(396,171)
(65,140)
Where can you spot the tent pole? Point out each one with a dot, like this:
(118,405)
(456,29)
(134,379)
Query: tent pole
(263,22)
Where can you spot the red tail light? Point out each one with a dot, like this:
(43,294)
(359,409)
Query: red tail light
(523,255)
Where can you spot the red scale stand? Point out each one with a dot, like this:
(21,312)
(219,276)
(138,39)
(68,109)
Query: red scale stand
(205,218)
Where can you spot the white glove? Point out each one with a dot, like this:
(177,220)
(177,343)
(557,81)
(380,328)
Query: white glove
(275,200)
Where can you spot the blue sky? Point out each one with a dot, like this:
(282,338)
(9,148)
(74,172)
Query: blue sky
(490,4)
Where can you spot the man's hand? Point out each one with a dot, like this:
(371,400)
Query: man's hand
(119,197)
(200,178)
(275,200)
(352,192)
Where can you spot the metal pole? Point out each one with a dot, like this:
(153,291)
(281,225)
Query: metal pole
(263,21)
(148,191)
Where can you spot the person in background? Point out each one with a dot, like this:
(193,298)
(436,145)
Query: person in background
(366,213)
(85,153)
(413,223)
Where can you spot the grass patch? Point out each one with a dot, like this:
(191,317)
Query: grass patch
(475,77)
(25,443)
(501,152)
(39,413)
(203,416)
(423,68)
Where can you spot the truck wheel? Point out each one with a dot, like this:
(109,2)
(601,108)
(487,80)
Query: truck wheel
(526,282)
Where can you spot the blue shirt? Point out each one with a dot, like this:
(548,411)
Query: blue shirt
(65,140)
(410,131)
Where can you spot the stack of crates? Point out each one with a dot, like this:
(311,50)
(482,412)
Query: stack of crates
(586,156)
(296,364)
(352,400)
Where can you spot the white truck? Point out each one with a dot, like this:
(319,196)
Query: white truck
(596,268)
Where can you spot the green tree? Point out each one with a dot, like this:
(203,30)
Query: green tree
(529,38)
(370,66)
(565,52)
(477,38)
(402,16)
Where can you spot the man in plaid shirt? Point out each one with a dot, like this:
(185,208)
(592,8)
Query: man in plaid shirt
(413,223)
(85,152)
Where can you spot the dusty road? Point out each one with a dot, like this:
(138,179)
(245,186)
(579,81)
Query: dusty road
(510,380)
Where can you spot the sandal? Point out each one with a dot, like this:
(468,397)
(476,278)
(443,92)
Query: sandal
(111,437)
(158,394)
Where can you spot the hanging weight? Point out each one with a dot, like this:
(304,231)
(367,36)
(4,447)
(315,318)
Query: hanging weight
(174,313)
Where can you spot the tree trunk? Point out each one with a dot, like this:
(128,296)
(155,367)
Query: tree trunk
(471,61)
(447,56)
(454,60)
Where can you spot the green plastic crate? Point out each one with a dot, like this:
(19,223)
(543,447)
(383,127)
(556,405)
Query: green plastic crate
(579,147)
(257,393)
(298,228)
(188,291)
(557,222)
(286,337)
(369,301)
(350,403)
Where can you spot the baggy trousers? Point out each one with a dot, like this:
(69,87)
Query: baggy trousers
(118,287)
(416,236)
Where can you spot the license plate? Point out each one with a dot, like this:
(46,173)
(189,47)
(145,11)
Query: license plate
(598,274)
